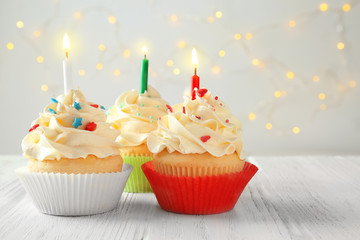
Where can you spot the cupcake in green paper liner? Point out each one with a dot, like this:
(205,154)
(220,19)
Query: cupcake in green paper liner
(136,115)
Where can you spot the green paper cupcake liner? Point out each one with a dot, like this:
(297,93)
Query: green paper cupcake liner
(137,182)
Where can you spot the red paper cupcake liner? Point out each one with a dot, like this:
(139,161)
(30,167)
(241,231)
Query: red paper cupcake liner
(198,195)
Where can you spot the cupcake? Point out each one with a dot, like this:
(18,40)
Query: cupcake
(198,165)
(74,166)
(136,115)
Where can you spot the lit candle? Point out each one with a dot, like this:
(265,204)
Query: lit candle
(144,71)
(195,78)
(67,65)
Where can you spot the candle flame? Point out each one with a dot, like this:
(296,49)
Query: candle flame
(145,50)
(194,58)
(66,43)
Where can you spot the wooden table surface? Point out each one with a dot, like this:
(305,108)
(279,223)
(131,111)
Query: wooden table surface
(293,197)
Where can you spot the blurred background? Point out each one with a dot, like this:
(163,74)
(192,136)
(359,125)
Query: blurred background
(288,69)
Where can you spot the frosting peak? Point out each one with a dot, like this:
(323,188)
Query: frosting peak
(198,126)
(70,127)
(136,115)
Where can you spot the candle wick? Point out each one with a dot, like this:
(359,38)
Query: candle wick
(145,56)
(195,70)
(67,55)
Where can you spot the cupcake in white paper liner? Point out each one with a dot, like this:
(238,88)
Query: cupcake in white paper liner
(75,166)
(74,194)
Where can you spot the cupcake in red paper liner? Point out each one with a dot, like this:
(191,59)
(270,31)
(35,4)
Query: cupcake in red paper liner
(198,166)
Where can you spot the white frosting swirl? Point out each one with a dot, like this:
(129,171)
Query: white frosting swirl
(206,126)
(57,138)
(136,115)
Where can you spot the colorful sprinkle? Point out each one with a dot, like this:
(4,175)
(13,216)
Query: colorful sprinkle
(149,96)
(94,105)
(184,111)
(91,126)
(122,105)
(204,139)
(216,98)
(157,106)
(221,104)
(151,117)
(159,118)
(142,104)
(198,117)
(170,108)
(77,122)
(77,106)
(138,114)
(54,100)
(151,121)
(52,111)
(202,92)
(227,121)
(34,127)
(102,107)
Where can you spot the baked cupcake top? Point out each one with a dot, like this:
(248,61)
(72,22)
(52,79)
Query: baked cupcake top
(70,127)
(136,115)
(198,126)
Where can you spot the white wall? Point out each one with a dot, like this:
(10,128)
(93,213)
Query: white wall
(308,49)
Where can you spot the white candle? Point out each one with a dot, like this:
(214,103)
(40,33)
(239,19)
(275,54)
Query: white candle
(67,65)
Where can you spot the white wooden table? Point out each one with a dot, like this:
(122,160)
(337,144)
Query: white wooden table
(289,198)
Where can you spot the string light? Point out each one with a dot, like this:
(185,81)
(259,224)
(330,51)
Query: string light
(112,19)
(222,53)
(82,72)
(116,72)
(176,71)
(316,78)
(10,46)
(340,88)
(210,19)
(237,36)
(40,59)
(218,14)
(252,116)
(99,66)
(181,44)
(352,84)
(249,36)
(102,47)
(216,69)
(126,53)
(296,130)
(268,126)
(292,23)
(322,96)
(324,7)
(36,33)
(277,94)
(255,62)
(19,24)
(323,106)
(290,75)
(44,87)
(173,18)
(77,15)
(170,63)
(340,45)
(346,7)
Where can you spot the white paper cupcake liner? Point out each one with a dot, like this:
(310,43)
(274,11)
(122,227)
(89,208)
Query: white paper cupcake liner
(74,194)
